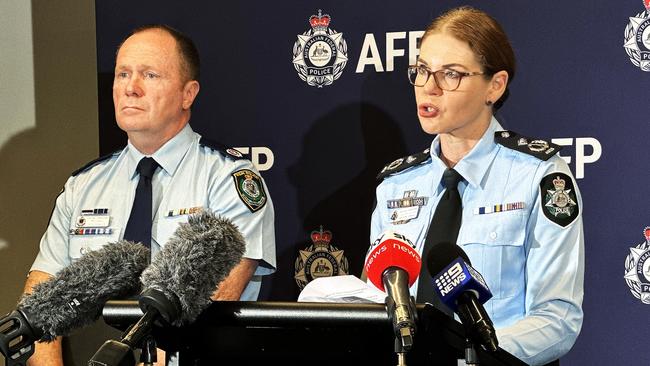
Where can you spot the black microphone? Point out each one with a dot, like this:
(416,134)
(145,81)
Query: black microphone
(180,280)
(463,290)
(71,299)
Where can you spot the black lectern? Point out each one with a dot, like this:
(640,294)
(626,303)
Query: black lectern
(291,333)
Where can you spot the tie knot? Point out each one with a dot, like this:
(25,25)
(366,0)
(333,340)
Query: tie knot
(451,178)
(146,167)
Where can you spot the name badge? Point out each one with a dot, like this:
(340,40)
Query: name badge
(93,221)
(183,211)
(404,215)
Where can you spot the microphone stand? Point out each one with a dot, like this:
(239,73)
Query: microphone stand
(400,352)
(156,308)
(471,358)
(148,356)
(120,353)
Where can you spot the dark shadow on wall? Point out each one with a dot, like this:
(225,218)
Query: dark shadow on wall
(36,163)
(335,180)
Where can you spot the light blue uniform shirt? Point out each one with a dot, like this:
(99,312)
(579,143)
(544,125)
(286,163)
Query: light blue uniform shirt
(533,266)
(190,176)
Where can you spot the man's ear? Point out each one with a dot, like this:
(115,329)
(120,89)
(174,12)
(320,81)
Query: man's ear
(190,91)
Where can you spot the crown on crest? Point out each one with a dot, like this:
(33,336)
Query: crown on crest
(320,22)
(646,3)
(559,183)
(646,233)
(321,238)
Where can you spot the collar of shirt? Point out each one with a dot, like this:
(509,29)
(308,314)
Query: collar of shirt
(169,155)
(476,163)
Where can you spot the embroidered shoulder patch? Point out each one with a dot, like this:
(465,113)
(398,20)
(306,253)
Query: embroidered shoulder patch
(250,189)
(538,148)
(403,163)
(559,201)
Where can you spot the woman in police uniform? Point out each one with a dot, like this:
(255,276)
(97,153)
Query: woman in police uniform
(521,223)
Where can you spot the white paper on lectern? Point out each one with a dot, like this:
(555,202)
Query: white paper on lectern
(342,289)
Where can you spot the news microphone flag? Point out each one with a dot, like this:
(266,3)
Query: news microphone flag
(457,278)
(392,250)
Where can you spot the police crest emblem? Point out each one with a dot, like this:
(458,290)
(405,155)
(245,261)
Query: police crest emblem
(559,200)
(637,269)
(637,38)
(250,189)
(321,259)
(320,53)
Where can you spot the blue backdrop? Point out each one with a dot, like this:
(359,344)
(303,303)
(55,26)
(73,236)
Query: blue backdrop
(580,81)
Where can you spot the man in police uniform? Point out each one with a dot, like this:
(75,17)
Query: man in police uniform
(156,82)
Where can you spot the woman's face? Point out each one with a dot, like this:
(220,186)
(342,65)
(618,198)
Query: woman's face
(462,112)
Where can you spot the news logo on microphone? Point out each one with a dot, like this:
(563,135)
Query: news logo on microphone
(458,277)
(392,250)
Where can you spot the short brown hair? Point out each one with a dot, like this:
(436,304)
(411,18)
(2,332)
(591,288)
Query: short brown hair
(485,38)
(189,54)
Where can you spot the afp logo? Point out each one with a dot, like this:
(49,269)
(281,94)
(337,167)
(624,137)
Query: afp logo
(637,269)
(320,53)
(637,38)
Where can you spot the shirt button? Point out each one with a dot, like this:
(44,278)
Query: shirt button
(83,250)
(493,235)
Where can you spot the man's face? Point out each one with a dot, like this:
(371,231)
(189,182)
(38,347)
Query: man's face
(149,90)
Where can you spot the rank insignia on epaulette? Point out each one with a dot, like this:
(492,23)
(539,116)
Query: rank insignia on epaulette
(235,153)
(250,189)
(559,200)
(538,148)
(403,163)
(321,259)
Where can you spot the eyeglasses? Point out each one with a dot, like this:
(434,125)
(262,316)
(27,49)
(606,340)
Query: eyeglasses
(446,79)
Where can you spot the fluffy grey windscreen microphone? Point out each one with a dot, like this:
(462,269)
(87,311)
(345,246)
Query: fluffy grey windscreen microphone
(199,255)
(76,295)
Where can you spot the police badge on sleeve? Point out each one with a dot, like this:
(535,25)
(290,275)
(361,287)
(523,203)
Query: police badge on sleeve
(320,53)
(637,269)
(559,200)
(250,189)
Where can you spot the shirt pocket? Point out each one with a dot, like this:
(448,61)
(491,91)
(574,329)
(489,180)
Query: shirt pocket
(494,244)
(82,244)
(164,228)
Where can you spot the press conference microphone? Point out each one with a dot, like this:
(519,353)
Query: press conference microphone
(463,290)
(393,265)
(73,298)
(180,280)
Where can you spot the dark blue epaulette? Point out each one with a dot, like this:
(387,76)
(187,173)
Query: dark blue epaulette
(94,162)
(538,148)
(227,151)
(404,163)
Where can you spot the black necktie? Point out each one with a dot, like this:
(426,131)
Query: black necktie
(443,228)
(138,228)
